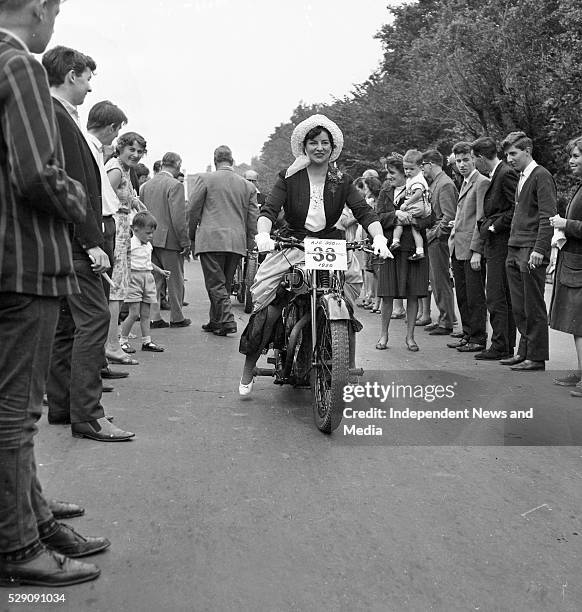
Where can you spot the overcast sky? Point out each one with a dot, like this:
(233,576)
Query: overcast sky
(192,75)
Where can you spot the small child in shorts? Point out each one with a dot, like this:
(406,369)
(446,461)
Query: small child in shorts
(142,286)
(416,204)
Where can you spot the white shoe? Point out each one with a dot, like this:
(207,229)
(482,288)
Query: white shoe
(245,390)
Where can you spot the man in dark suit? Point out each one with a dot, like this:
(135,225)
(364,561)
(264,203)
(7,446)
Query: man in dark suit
(164,197)
(223,208)
(443,199)
(37,201)
(74,385)
(466,248)
(494,225)
(528,253)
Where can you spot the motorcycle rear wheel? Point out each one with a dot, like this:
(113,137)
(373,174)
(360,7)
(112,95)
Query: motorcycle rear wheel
(330,373)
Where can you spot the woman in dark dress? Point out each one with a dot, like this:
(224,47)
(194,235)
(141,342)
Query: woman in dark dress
(399,277)
(566,305)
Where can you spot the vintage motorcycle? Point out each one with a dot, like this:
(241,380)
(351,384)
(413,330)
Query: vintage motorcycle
(311,338)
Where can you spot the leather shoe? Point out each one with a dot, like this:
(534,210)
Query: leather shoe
(210,326)
(64,510)
(109,373)
(101,430)
(108,389)
(72,544)
(492,354)
(457,344)
(158,324)
(223,330)
(439,331)
(430,326)
(458,334)
(49,569)
(512,360)
(182,323)
(471,347)
(527,365)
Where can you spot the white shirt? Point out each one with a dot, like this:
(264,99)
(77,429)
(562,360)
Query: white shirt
(525,175)
(416,181)
(141,254)
(109,197)
(315,220)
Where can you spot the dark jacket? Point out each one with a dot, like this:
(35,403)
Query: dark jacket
(293,194)
(536,204)
(80,165)
(499,202)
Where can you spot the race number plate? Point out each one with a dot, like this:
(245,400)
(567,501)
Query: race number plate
(321,254)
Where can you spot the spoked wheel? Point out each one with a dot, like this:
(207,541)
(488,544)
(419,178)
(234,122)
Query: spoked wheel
(249,280)
(330,373)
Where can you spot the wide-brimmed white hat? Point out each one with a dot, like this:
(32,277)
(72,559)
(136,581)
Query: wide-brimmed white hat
(298,136)
(302,128)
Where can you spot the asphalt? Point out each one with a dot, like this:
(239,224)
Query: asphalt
(225,504)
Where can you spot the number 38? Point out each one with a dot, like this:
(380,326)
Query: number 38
(319,255)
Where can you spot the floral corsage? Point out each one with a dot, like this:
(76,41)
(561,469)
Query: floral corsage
(334,177)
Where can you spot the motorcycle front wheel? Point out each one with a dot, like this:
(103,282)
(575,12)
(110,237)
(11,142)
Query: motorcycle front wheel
(330,373)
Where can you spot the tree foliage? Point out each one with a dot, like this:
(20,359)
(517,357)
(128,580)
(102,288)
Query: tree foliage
(459,69)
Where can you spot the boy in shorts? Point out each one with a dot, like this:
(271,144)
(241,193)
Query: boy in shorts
(142,286)
(416,204)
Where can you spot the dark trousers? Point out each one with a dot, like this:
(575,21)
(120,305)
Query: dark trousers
(27,327)
(470,291)
(108,247)
(219,269)
(498,295)
(440,281)
(168,259)
(527,302)
(74,385)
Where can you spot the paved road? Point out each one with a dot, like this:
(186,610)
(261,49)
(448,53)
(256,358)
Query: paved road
(224,504)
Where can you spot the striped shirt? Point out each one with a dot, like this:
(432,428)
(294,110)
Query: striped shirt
(37,198)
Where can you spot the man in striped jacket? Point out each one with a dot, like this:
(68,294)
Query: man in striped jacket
(37,201)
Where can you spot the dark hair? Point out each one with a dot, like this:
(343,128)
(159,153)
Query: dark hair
(142,170)
(519,140)
(223,154)
(144,220)
(105,113)
(434,157)
(157,165)
(171,159)
(413,156)
(359,183)
(316,131)
(395,161)
(127,139)
(59,61)
(462,148)
(485,146)
(373,184)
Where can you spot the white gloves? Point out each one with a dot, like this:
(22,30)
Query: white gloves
(264,242)
(380,246)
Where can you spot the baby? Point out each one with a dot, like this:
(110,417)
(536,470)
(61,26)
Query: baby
(416,205)
(142,287)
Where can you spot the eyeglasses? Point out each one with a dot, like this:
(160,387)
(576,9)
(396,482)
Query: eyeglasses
(252,180)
